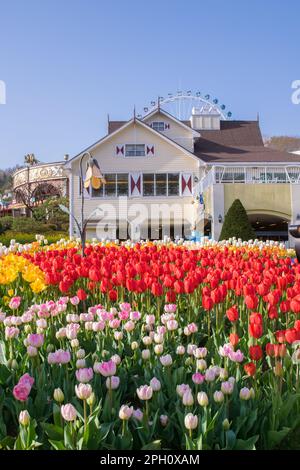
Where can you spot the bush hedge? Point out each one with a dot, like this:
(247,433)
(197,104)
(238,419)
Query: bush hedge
(6,223)
(236,223)
(25,237)
(30,225)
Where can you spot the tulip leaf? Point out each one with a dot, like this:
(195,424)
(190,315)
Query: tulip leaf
(53,432)
(154,445)
(248,444)
(57,445)
(275,437)
(5,373)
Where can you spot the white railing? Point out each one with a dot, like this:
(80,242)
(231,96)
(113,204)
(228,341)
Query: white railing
(251,175)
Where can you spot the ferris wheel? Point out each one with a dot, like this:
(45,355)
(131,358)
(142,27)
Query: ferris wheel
(181,104)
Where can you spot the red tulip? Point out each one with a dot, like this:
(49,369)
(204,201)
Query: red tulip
(81,294)
(255,353)
(234,339)
(251,302)
(207,303)
(113,295)
(232,314)
(250,369)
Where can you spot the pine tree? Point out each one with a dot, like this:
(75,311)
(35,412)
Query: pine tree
(236,223)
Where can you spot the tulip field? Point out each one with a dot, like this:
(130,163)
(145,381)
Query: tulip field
(149,346)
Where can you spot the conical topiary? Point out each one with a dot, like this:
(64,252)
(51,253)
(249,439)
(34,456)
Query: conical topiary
(236,223)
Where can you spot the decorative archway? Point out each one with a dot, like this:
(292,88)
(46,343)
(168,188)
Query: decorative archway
(44,191)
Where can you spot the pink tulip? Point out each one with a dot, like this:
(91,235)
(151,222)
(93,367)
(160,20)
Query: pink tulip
(115,323)
(22,390)
(125,412)
(129,326)
(124,315)
(68,412)
(72,330)
(198,378)
(59,357)
(125,306)
(32,351)
(144,392)
(11,332)
(138,414)
(107,369)
(83,391)
(74,300)
(36,340)
(170,308)
(192,327)
(15,302)
(112,383)
(135,316)
(84,375)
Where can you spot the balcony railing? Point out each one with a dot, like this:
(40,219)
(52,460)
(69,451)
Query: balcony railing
(251,175)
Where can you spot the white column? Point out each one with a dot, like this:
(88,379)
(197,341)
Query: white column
(217,205)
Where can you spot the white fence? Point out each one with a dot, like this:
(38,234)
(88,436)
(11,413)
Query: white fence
(251,175)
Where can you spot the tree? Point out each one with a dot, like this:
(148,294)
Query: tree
(50,213)
(236,223)
(283,143)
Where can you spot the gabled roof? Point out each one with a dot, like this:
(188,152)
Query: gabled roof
(114,125)
(168,115)
(124,126)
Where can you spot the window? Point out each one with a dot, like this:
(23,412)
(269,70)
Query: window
(110,186)
(161,184)
(116,185)
(173,184)
(134,150)
(148,185)
(158,126)
(122,184)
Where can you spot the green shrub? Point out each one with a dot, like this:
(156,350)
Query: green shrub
(6,222)
(23,237)
(29,225)
(236,223)
(50,227)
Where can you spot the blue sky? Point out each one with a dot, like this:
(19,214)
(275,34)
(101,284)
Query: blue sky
(67,63)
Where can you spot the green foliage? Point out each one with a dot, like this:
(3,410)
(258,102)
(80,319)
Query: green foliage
(236,223)
(50,213)
(6,223)
(28,225)
(25,237)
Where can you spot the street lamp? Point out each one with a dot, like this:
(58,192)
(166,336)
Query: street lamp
(294,230)
(92,178)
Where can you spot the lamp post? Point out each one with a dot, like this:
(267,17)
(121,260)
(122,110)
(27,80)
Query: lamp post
(294,230)
(93,179)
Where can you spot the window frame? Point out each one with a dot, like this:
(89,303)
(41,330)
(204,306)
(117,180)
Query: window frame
(135,156)
(167,185)
(116,195)
(159,123)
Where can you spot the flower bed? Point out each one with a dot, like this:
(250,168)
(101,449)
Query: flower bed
(148,346)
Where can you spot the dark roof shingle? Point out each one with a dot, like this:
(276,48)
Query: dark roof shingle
(238,142)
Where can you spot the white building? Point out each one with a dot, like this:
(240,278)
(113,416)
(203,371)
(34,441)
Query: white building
(164,176)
